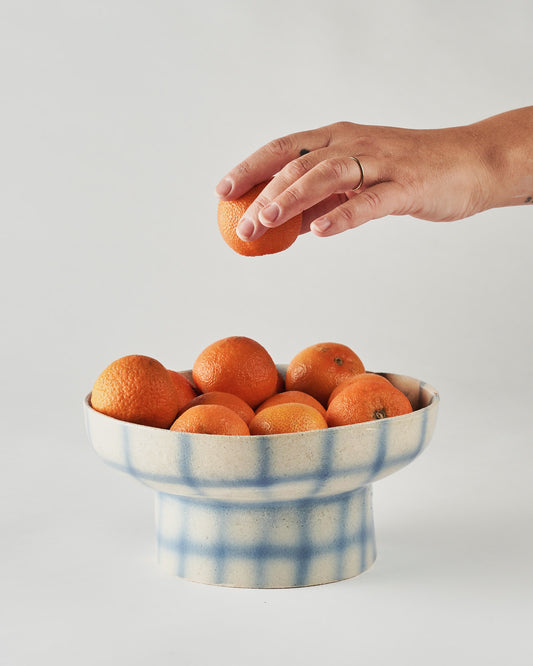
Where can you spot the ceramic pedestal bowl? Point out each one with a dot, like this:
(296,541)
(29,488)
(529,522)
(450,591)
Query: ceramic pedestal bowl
(267,511)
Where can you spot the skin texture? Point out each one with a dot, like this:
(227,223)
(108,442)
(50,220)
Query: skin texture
(292,396)
(378,379)
(237,365)
(437,174)
(229,400)
(287,417)
(211,420)
(137,389)
(367,399)
(274,240)
(185,389)
(318,369)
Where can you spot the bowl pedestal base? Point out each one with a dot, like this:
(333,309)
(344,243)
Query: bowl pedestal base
(266,544)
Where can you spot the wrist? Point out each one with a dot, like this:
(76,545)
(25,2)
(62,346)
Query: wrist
(505,144)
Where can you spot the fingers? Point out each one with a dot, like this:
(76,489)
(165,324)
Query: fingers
(251,225)
(320,210)
(312,173)
(329,176)
(301,185)
(387,198)
(268,160)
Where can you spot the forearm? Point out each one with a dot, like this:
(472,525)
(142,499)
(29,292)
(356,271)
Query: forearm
(506,145)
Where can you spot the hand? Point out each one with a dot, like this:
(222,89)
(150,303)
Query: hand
(438,175)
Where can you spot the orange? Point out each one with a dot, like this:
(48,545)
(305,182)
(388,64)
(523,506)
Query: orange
(237,365)
(230,400)
(348,381)
(273,240)
(367,399)
(318,369)
(211,420)
(186,390)
(287,417)
(292,396)
(137,389)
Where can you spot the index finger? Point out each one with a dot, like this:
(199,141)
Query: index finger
(268,160)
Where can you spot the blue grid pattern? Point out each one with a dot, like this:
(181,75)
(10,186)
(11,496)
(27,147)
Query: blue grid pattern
(278,511)
(316,479)
(267,544)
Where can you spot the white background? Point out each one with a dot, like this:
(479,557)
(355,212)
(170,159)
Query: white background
(117,121)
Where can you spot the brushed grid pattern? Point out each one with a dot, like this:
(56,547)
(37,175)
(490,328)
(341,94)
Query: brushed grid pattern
(273,511)
(261,544)
(183,475)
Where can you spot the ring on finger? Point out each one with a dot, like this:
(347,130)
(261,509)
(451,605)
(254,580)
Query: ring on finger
(361,179)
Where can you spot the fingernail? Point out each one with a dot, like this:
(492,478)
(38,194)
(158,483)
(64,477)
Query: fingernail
(321,225)
(245,228)
(224,187)
(270,213)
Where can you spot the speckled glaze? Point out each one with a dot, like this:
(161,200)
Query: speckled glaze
(267,511)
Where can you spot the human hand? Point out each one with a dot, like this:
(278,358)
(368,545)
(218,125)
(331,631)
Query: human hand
(439,175)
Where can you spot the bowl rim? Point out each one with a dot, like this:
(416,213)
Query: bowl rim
(433,402)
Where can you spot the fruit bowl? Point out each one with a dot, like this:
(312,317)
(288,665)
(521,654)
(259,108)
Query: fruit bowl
(267,511)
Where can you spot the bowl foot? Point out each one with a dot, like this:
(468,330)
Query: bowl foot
(291,543)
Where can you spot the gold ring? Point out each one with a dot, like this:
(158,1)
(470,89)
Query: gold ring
(360,183)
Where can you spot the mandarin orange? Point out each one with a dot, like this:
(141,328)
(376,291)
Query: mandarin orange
(230,400)
(237,365)
(210,420)
(273,240)
(137,389)
(367,400)
(185,389)
(340,387)
(292,396)
(318,369)
(287,417)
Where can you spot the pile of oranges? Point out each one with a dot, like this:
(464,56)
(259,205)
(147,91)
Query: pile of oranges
(236,389)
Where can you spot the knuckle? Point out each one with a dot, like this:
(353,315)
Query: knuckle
(261,201)
(343,126)
(333,169)
(291,197)
(305,163)
(280,146)
(371,199)
(295,169)
(346,215)
(243,169)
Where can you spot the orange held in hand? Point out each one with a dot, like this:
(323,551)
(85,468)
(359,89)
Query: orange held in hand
(237,365)
(137,389)
(274,240)
(287,417)
(211,420)
(367,399)
(318,369)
